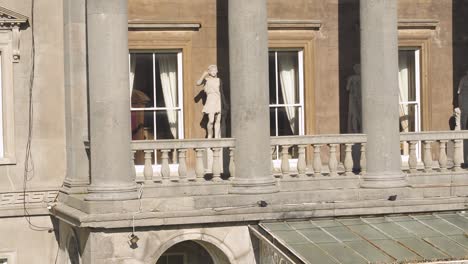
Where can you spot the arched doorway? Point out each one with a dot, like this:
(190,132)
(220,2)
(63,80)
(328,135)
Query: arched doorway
(193,252)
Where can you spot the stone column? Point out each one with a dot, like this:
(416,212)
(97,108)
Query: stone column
(109,102)
(248,56)
(76,112)
(380,103)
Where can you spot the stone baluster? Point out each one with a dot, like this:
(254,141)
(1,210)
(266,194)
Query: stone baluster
(457,155)
(199,168)
(232,166)
(174,155)
(427,156)
(182,165)
(443,155)
(363,160)
(285,160)
(333,162)
(412,160)
(301,162)
(317,163)
(165,170)
(273,164)
(348,162)
(216,164)
(133,164)
(148,169)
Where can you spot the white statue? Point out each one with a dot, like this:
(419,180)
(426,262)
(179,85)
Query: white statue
(353,86)
(463,101)
(212,107)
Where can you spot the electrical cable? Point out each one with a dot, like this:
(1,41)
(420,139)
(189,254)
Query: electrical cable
(28,161)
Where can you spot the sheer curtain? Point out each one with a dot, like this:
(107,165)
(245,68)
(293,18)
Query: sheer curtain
(168,74)
(403,78)
(132,70)
(287,74)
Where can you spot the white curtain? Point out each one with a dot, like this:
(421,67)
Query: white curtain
(168,74)
(287,73)
(403,77)
(132,71)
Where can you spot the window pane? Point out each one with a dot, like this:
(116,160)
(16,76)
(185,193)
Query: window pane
(288,73)
(141,80)
(167,124)
(166,80)
(408,118)
(288,121)
(407,75)
(273,122)
(272,76)
(142,125)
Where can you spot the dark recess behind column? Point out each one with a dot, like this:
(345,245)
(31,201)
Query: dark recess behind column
(349,51)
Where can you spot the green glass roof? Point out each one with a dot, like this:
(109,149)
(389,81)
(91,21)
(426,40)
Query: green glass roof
(389,239)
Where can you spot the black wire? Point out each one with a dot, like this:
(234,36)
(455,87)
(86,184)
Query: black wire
(28,161)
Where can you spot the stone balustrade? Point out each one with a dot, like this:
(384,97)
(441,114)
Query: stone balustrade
(292,156)
(167,160)
(440,151)
(323,151)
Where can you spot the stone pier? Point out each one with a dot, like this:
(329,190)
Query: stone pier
(379,62)
(109,113)
(248,55)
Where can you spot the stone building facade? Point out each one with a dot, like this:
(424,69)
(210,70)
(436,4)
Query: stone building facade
(103,135)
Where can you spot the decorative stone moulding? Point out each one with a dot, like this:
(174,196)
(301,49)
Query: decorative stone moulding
(149,25)
(10,20)
(430,24)
(278,24)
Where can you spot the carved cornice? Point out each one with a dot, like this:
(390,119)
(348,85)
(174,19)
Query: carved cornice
(162,26)
(430,24)
(294,24)
(10,20)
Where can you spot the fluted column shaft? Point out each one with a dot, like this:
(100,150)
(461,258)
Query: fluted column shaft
(111,170)
(379,62)
(248,55)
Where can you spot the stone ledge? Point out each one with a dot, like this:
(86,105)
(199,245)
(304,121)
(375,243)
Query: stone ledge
(271,212)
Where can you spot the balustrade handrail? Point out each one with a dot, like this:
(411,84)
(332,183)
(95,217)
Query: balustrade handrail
(434,135)
(293,140)
(319,139)
(183,143)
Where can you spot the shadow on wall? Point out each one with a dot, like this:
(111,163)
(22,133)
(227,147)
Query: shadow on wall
(222,57)
(349,46)
(460,44)
(460,61)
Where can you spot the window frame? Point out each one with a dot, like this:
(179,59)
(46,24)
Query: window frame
(301,104)
(7,125)
(301,40)
(180,90)
(8,255)
(420,39)
(417,102)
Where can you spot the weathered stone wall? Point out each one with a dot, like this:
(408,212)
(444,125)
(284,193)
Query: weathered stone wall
(48,162)
(225,244)
(25,244)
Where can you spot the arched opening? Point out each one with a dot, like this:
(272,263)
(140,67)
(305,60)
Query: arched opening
(193,252)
